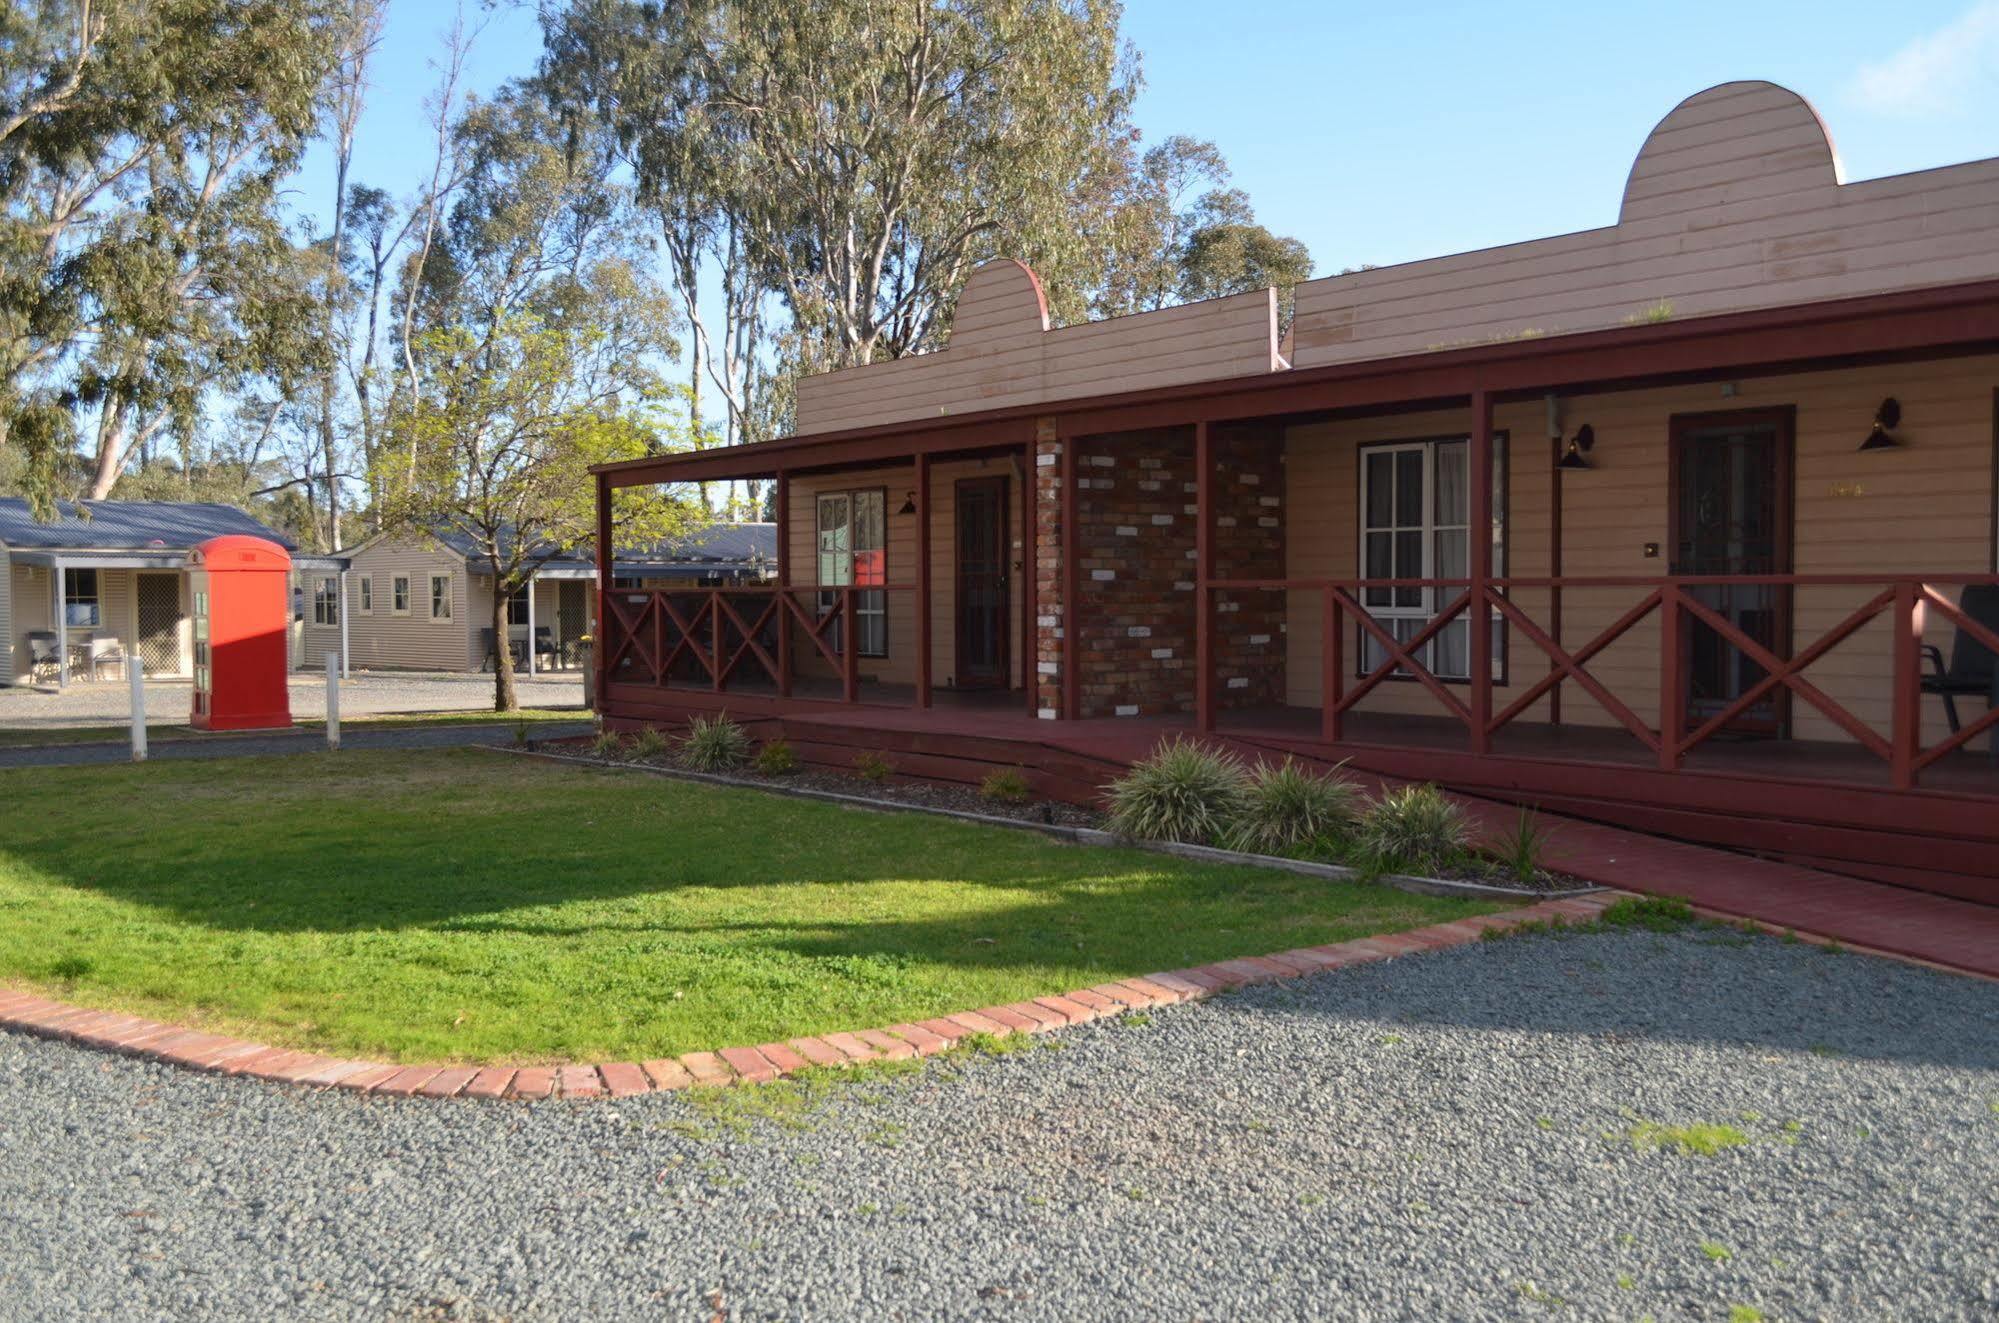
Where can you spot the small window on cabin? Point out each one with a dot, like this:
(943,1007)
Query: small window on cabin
(326,601)
(399,594)
(440,597)
(367,596)
(80,603)
(517,608)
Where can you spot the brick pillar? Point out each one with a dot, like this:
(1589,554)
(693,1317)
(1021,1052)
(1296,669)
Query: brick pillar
(1048,597)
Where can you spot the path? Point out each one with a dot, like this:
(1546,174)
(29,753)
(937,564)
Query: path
(1453,1135)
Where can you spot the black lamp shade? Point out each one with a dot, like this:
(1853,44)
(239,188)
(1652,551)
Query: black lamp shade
(1886,419)
(1579,446)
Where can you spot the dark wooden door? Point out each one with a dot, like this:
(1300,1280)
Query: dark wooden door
(982,583)
(1731,515)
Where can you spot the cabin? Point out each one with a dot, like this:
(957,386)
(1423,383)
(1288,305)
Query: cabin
(1686,523)
(423,601)
(104,584)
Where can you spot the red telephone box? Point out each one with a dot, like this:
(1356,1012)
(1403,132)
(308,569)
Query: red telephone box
(242,606)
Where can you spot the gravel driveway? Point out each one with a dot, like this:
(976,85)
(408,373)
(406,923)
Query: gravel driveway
(1440,1136)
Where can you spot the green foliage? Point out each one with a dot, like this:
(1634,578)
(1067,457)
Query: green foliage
(649,744)
(871,766)
(1523,849)
(776,758)
(1005,785)
(1288,805)
(714,744)
(1659,914)
(607,744)
(143,255)
(1184,792)
(1702,1138)
(1415,827)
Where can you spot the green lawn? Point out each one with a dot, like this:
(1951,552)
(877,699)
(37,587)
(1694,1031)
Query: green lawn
(470,906)
(155,731)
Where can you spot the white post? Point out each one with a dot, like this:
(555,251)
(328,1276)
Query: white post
(332,700)
(137,674)
(530,649)
(62,624)
(344,655)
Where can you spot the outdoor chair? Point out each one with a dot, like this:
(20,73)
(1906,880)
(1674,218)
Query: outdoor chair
(1971,672)
(492,655)
(44,662)
(106,652)
(544,643)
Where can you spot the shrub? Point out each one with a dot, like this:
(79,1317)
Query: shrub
(776,758)
(714,744)
(1005,785)
(523,734)
(1415,827)
(607,745)
(648,744)
(1522,848)
(872,767)
(1183,792)
(1288,805)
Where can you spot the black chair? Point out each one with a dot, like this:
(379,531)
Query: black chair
(492,656)
(544,643)
(1971,672)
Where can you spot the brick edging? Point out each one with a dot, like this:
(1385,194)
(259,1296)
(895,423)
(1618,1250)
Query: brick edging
(134,1036)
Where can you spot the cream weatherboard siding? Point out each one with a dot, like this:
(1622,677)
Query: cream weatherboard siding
(899,483)
(8,675)
(1924,507)
(382,639)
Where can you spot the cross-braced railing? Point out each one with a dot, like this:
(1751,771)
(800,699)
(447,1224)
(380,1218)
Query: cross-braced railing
(1677,605)
(720,637)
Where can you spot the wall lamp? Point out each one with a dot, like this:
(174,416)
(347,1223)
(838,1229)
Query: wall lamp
(1886,419)
(1579,446)
(908,505)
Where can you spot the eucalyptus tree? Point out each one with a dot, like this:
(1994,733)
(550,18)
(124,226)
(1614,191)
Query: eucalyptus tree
(141,146)
(540,345)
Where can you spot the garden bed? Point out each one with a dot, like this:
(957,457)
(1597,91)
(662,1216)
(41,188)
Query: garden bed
(1471,874)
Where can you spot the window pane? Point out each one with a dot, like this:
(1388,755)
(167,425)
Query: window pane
(835,549)
(1380,565)
(1451,648)
(870,547)
(1452,468)
(1409,565)
(1409,488)
(1453,553)
(1380,481)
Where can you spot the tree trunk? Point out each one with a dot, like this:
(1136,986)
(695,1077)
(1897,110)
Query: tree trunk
(504,697)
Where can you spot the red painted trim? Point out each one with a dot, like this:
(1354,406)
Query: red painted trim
(1030,582)
(784,659)
(1204,573)
(1071,615)
(1478,536)
(600,658)
(924,606)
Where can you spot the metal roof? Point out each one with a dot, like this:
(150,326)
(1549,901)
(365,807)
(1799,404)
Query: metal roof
(718,545)
(128,525)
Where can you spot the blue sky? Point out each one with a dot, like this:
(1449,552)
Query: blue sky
(1387,132)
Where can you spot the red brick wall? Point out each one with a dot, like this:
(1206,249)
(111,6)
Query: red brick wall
(1134,625)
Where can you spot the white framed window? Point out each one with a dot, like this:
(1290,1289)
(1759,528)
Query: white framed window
(517,607)
(1415,523)
(367,607)
(440,597)
(852,547)
(81,606)
(399,595)
(326,600)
